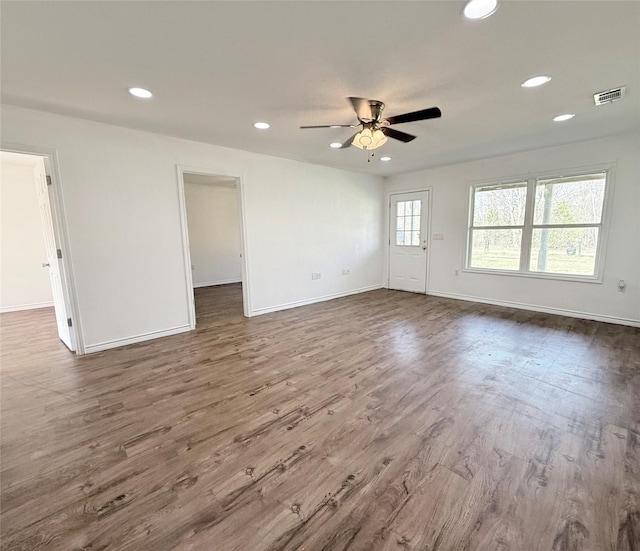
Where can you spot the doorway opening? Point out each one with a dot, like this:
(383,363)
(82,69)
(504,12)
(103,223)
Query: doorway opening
(214,237)
(34,272)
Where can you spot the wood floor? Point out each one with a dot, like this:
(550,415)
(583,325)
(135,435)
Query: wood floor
(381,421)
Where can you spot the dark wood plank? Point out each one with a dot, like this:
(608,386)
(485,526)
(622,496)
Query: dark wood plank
(380,421)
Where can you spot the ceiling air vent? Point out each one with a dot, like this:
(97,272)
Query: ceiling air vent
(610,95)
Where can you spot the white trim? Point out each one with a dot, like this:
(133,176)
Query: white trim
(218,282)
(288,305)
(543,309)
(535,275)
(20,307)
(91,348)
(244,247)
(186,254)
(62,237)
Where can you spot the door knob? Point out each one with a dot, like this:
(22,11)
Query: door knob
(46,265)
(424,245)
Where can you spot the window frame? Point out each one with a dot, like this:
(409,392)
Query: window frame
(529,226)
(411,231)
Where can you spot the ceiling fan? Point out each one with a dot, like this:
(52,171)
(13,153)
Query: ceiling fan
(375,129)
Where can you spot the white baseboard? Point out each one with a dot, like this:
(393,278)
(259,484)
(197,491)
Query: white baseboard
(218,282)
(90,348)
(288,305)
(21,307)
(543,309)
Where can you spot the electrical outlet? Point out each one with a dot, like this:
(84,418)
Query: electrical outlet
(346,271)
(438,236)
(315,275)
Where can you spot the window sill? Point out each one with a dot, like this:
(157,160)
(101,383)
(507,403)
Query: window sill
(536,275)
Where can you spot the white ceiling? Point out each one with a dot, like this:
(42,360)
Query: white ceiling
(217,67)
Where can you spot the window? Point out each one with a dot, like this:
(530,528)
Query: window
(497,227)
(539,226)
(408,223)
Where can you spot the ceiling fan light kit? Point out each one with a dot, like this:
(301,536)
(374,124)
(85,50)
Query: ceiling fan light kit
(375,129)
(369,139)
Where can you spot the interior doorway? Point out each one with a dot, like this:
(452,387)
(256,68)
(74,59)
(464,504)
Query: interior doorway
(33,272)
(214,252)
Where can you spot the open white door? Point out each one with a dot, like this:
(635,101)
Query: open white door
(408,241)
(53,257)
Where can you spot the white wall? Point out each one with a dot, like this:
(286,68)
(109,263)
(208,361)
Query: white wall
(123,217)
(214,233)
(450,204)
(24,283)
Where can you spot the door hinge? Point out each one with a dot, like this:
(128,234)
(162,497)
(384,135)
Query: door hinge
(48,180)
(69,322)
(59,253)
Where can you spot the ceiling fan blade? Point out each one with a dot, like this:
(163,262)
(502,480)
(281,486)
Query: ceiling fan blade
(348,142)
(362,107)
(431,113)
(331,126)
(397,135)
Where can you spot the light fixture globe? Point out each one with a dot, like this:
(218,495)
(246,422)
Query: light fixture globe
(363,139)
(369,138)
(379,138)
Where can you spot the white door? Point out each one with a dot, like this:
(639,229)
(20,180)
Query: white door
(54,263)
(408,241)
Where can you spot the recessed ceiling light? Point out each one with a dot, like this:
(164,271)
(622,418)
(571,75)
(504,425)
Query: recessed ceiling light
(479,9)
(140,93)
(536,81)
(335,145)
(385,159)
(261,125)
(561,118)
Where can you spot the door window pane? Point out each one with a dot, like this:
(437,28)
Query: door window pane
(408,223)
(496,249)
